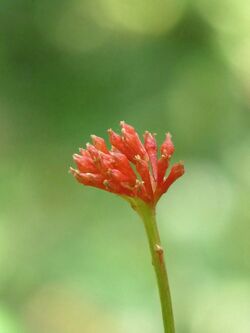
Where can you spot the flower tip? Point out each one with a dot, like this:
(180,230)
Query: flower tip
(146,134)
(125,128)
(182,167)
(76,157)
(73,171)
(122,123)
(112,134)
(178,168)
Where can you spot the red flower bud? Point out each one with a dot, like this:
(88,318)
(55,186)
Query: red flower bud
(89,179)
(119,144)
(162,164)
(132,141)
(167,148)
(99,143)
(85,164)
(122,163)
(143,170)
(151,148)
(176,172)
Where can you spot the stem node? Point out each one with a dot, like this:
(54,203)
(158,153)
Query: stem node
(147,214)
(160,252)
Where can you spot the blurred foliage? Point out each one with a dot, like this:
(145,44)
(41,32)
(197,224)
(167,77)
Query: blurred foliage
(74,259)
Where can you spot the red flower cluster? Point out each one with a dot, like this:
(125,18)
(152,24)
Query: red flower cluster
(130,168)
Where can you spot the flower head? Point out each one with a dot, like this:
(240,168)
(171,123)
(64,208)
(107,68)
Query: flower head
(130,168)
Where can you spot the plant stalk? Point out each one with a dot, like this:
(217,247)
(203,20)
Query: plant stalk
(148,215)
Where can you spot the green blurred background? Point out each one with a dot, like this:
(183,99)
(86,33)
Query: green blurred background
(75,259)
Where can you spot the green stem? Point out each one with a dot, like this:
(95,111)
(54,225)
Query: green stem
(148,215)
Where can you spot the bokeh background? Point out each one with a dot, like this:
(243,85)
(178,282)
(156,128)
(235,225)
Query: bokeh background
(75,259)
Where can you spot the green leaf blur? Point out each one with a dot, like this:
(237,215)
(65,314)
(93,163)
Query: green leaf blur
(75,259)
